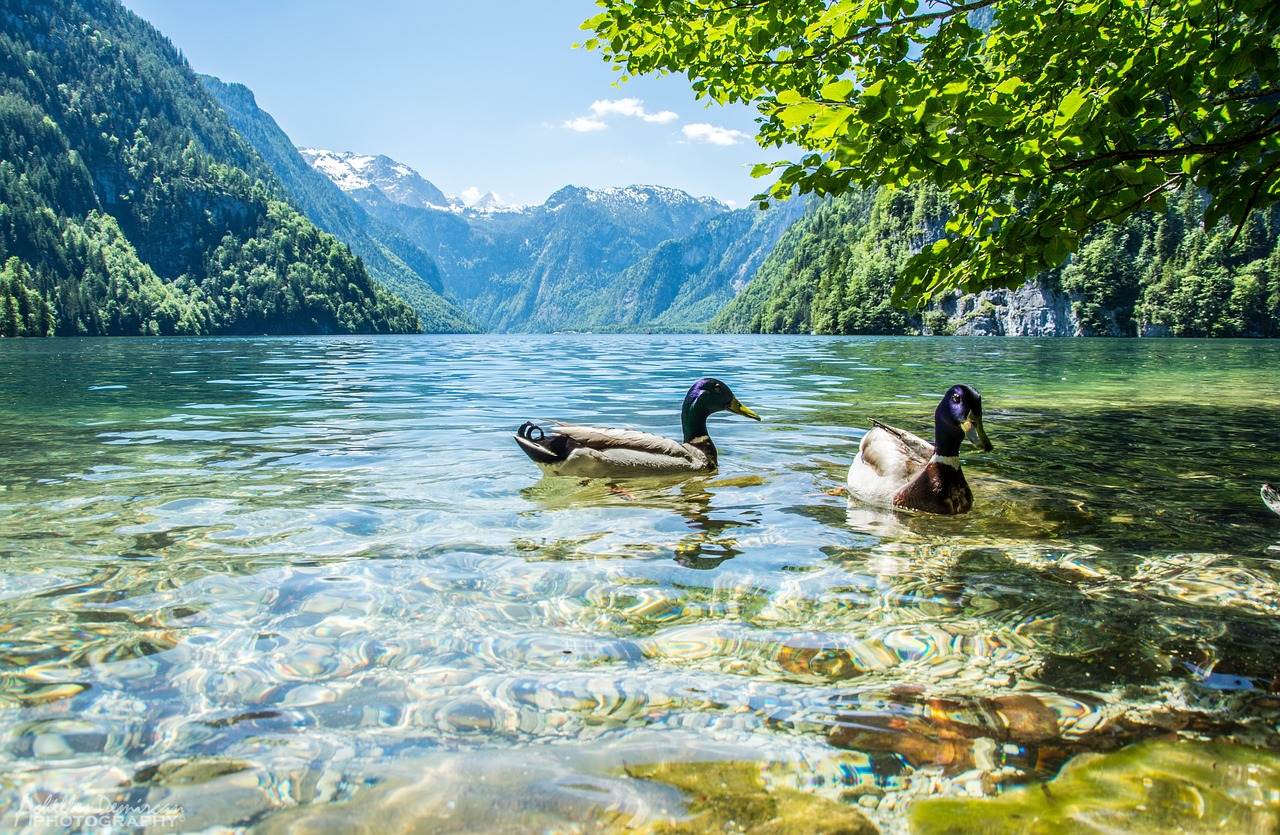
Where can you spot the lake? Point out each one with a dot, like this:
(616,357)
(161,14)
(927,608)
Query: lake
(312,584)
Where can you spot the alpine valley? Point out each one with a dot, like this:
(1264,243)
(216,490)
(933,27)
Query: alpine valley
(634,258)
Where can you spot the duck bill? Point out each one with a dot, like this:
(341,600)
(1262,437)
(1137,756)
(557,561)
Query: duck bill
(973,430)
(738,409)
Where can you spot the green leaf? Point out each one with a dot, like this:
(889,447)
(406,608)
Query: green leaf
(797,114)
(837,90)
(1010,86)
(1071,104)
(1126,104)
(872,109)
(830,122)
(1127,173)
(993,115)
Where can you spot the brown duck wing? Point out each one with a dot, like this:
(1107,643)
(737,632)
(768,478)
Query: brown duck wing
(915,447)
(604,439)
(895,452)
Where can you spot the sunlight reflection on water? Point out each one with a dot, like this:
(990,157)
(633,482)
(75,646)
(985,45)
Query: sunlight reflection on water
(244,576)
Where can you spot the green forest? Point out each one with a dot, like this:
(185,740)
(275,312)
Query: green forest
(128,206)
(1153,274)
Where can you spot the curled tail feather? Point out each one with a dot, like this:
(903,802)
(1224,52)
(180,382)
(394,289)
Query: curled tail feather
(538,446)
(1271,496)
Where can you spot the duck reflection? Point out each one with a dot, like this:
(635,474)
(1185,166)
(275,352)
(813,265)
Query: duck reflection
(877,521)
(710,543)
(710,540)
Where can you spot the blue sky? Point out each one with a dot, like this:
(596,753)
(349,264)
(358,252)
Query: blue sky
(477,94)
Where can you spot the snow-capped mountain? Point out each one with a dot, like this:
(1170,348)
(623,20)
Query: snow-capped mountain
(620,196)
(396,181)
(555,266)
(487,202)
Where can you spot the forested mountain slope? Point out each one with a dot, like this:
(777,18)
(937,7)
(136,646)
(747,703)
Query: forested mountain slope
(682,283)
(1154,274)
(128,205)
(388,255)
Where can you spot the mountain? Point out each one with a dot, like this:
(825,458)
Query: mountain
(531,270)
(129,205)
(399,183)
(388,255)
(487,202)
(551,267)
(780,296)
(682,283)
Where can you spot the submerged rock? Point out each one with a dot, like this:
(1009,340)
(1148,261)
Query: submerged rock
(732,797)
(541,791)
(1153,787)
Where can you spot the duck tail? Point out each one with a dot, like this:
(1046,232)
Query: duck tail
(1271,496)
(538,446)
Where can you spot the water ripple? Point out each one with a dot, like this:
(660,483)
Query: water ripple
(277,579)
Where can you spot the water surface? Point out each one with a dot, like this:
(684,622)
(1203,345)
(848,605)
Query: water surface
(271,582)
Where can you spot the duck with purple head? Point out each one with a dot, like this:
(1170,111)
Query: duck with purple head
(594,452)
(895,468)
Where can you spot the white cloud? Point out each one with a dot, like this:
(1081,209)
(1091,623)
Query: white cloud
(470,196)
(631,107)
(703,132)
(583,124)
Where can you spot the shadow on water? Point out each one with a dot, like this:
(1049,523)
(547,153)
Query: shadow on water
(1184,477)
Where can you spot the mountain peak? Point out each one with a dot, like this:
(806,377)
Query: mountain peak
(487,202)
(399,183)
(632,195)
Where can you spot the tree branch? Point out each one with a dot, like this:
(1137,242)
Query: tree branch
(1208,149)
(861,33)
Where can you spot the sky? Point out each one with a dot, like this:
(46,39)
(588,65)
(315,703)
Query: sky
(476,95)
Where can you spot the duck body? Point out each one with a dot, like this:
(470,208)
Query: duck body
(598,452)
(895,468)
(1271,497)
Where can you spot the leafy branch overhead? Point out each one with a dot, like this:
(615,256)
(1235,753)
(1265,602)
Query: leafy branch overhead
(1040,118)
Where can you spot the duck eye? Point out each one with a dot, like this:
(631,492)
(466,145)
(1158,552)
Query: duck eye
(955,398)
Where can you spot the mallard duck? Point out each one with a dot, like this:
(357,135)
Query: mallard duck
(595,452)
(1271,496)
(897,469)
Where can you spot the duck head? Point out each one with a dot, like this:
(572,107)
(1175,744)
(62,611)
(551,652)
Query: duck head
(705,398)
(959,416)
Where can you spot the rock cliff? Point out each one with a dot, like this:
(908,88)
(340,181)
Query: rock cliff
(1031,310)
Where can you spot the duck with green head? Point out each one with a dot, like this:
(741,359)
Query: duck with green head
(895,468)
(590,451)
